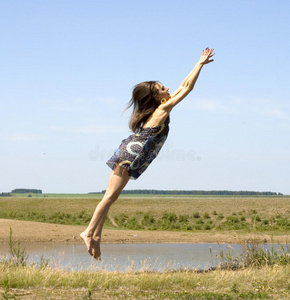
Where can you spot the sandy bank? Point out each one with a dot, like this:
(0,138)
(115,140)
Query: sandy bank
(26,231)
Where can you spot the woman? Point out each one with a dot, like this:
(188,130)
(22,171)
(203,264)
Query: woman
(149,121)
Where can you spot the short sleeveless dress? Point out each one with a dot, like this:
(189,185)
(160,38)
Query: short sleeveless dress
(136,152)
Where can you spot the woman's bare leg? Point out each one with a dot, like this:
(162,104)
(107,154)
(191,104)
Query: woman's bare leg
(92,235)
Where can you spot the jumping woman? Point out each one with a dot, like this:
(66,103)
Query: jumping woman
(149,122)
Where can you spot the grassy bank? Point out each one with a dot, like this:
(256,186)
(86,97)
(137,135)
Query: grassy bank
(264,283)
(269,215)
(258,274)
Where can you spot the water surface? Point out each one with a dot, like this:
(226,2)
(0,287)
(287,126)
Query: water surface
(124,257)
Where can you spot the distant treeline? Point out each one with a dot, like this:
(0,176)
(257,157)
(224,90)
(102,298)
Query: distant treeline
(5,195)
(197,192)
(24,191)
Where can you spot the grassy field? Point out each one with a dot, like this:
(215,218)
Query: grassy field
(38,283)
(162,212)
(258,275)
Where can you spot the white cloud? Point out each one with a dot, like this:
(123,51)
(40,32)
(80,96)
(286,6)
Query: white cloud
(261,106)
(239,104)
(274,112)
(100,129)
(82,104)
(91,129)
(22,137)
(212,105)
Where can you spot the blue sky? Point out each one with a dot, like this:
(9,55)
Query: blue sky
(67,72)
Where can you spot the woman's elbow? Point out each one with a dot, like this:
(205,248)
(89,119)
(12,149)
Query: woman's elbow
(188,88)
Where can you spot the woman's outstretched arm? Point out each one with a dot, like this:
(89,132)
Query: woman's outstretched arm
(188,83)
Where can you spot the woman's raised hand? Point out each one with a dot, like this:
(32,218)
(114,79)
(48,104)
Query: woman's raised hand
(206,55)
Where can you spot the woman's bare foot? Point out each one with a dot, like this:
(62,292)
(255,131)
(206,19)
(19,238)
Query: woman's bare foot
(92,245)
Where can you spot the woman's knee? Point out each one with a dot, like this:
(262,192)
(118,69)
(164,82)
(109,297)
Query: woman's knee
(112,194)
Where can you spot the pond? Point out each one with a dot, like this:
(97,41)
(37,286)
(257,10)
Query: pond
(126,257)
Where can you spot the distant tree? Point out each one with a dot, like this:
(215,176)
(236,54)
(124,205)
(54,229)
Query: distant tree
(25,191)
(198,192)
(5,195)
(95,193)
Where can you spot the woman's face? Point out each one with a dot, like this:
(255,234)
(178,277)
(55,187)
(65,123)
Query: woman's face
(163,91)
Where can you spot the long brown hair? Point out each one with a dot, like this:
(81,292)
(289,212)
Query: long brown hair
(144,102)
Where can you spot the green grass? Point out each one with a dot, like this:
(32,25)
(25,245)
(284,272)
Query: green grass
(49,283)
(270,215)
(245,221)
(269,279)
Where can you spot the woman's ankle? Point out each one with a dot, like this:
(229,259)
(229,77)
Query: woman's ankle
(97,238)
(90,234)
(86,233)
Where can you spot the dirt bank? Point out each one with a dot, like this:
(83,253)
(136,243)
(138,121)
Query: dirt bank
(26,231)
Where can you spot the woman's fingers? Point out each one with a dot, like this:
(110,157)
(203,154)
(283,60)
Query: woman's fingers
(210,53)
(207,53)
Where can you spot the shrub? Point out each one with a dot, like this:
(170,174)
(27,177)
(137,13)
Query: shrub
(148,220)
(133,224)
(206,215)
(196,215)
(199,221)
(207,226)
(256,256)
(171,217)
(183,218)
(258,219)
(121,220)
(19,255)
(265,222)
(233,219)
